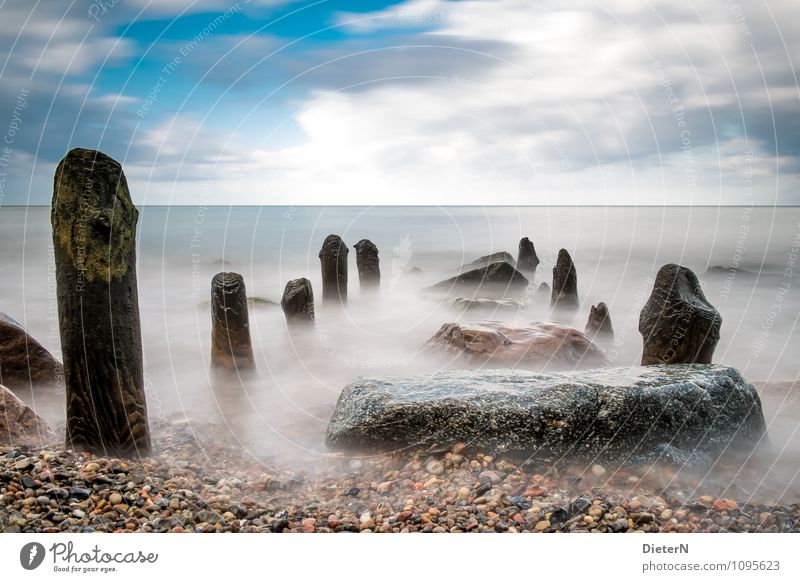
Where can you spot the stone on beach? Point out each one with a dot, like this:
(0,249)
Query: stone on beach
(94,238)
(368,263)
(298,301)
(679,414)
(486,260)
(333,260)
(527,261)
(19,424)
(493,282)
(599,323)
(231,348)
(565,283)
(678,324)
(536,346)
(24,362)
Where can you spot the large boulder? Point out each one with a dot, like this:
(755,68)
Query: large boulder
(537,346)
(494,281)
(678,324)
(24,362)
(527,261)
(19,424)
(681,414)
(487,260)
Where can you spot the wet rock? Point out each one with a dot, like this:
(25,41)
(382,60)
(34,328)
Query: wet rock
(537,346)
(369,271)
(565,283)
(495,281)
(231,348)
(333,259)
(24,362)
(298,301)
(487,305)
(19,424)
(527,261)
(487,260)
(678,324)
(94,238)
(615,413)
(599,323)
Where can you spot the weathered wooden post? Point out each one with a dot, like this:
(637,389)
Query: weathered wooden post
(369,270)
(231,350)
(333,258)
(565,283)
(298,302)
(94,235)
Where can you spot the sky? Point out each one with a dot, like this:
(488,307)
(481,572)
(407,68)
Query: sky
(376,102)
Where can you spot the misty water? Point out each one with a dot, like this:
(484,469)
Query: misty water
(284,411)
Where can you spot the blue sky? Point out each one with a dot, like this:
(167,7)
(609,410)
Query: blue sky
(407,102)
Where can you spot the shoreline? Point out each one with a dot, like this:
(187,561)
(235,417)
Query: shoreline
(210,484)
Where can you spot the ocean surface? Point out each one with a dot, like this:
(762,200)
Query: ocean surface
(617,252)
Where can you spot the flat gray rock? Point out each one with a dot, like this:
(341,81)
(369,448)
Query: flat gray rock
(680,414)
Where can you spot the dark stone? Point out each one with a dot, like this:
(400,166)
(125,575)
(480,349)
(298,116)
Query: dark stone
(495,281)
(543,289)
(599,323)
(536,346)
(333,258)
(565,283)
(94,235)
(19,424)
(581,504)
(617,415)
(678,324)
(24,362)
(369,270)
(351,492)
(298,301)
(527,261)
(486,260)
(231,349)
(79,493)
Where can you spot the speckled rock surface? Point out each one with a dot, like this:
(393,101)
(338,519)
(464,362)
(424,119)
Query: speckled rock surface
(678,414)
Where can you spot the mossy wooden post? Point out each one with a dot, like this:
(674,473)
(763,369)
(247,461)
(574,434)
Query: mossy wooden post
(94,236)
(333,259)
(298,302)
(231,350)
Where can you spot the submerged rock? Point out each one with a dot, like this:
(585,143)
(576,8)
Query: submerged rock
(469,304)
(599,323)
(495,281)
(487,260)
(678,324)
(527,260)
(19,424)
(537,346)
(626,415)
(565,283)
(543,289)
(24,362)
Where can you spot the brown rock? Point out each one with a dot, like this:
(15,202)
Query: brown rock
(537,346)
(678,324)
(24,362)
(19,424)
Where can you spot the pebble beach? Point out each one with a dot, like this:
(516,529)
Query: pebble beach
(199,481)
